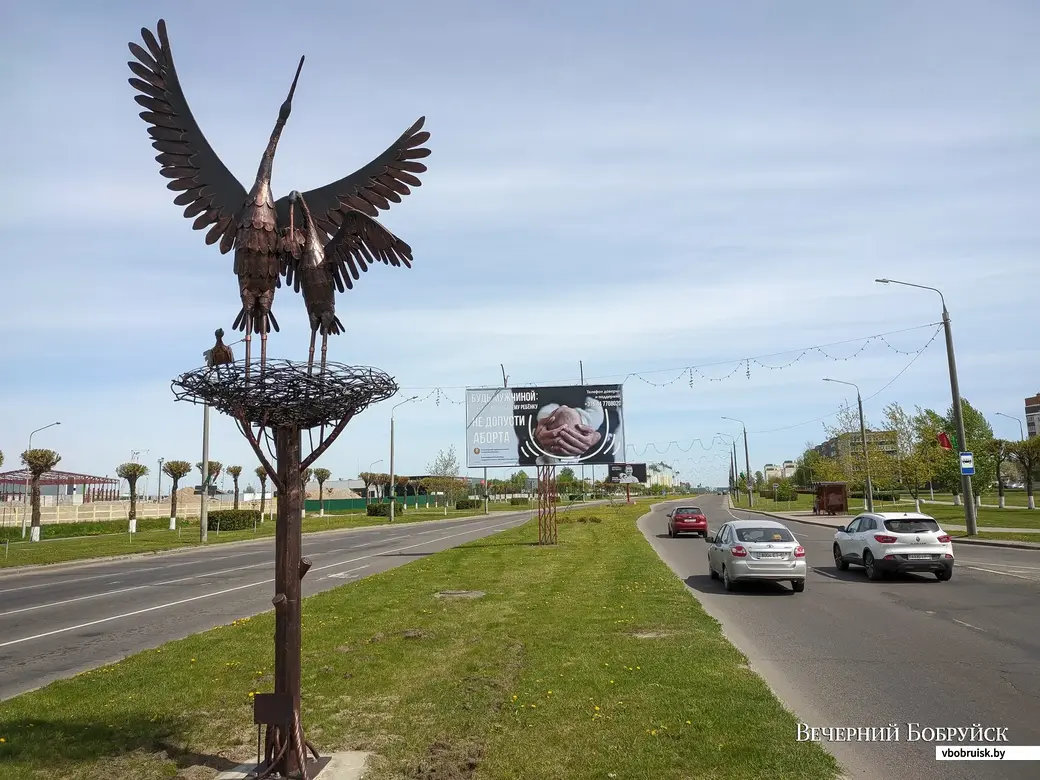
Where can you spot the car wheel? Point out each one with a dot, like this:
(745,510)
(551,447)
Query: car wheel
(727,583)
(839,561)
(943,576)
(873,573)
(711,571)
(798,585)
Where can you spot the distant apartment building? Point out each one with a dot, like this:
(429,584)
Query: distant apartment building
(1033,416)
(789,468)
(771,471)
(841,446)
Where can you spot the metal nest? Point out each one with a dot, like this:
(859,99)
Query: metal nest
(284,392)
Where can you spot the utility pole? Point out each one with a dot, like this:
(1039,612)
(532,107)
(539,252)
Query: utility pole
(970,519)
(158,485)
(204,504)
(393,487)
(747,461)
(581,373)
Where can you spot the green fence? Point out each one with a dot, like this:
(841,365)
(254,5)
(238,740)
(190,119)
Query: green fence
(359,504)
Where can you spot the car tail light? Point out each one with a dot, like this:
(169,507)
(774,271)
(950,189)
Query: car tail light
(948,555)
(702,518)
(884,539)
(799,552)
(738,552)
(889,558)
(944,539)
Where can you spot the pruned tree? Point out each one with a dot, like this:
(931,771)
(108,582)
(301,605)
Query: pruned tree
(369,479)
(215,467)
(235,472)
(322,476)
(1027,455)
(39,462)
(917,459)
(261,474)
(1000,451)
(132,472)
(176,470)
(444,473)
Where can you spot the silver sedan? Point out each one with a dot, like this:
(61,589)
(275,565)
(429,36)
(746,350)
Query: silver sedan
(756,550)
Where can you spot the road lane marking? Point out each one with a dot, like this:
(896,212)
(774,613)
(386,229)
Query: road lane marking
(995,571)
(344,575)
(969,625)
(228,590)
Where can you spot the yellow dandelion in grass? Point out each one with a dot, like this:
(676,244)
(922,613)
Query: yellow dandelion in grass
(514,697)
(611,682)
(2,740)
(534,706)
(596,709)
(193,660)
(548,693)
(688,723)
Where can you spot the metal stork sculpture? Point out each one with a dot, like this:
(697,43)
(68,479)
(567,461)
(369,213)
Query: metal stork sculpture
(319,269)
(219,354)
(253,223)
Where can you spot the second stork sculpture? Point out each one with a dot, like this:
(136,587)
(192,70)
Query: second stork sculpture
(253,223)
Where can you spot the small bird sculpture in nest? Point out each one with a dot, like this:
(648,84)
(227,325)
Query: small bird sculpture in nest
(220,354)
(319,269)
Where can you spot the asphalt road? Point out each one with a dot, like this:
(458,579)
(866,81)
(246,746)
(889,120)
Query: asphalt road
(850,652)
(56,621)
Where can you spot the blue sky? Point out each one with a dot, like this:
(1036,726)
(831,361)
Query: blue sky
(642,187)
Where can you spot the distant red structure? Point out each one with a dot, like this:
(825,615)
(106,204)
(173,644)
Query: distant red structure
(94,488)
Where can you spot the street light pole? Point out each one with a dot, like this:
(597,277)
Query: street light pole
(25,497)
(732,462)
(393,492)
(747,461)
(868,488)
(158,481)
(1021,430)
(958,413)
(371,466)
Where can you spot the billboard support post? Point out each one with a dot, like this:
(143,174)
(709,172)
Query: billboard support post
(546,505)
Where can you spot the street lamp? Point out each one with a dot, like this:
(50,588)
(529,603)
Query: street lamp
(732,462)
(747,460)
(1021,430)
(958,414)
(372,465)
(25,501)
(393,492)
(868,487)
(158,485)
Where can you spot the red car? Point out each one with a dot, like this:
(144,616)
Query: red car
(687,518)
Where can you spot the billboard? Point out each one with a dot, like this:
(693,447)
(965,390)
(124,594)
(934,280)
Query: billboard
(536,426)
(627,473)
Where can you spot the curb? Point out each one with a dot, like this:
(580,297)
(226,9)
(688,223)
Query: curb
(957,540)
(31,568)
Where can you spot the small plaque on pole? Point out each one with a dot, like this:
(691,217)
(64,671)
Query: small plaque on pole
(967,464)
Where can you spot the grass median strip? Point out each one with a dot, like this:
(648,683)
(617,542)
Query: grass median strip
(589,660)
(153,535)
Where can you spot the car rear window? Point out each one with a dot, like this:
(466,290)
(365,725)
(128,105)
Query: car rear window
(688,510)
(764,535)
(909,526)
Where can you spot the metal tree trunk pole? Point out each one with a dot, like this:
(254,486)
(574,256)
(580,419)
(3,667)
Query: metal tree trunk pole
(547,505)
(958,418)
(866,457)
(393,490)
(287,602)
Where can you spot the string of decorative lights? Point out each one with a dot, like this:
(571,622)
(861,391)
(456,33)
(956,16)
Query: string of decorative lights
(717,440)
(438,394)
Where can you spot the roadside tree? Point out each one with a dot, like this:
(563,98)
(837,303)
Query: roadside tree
(39,462)
(261,474)
(322,476)
(235,472)
(1027,455)
(132,472)
(176,470)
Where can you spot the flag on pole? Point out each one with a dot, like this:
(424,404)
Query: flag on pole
(944,441)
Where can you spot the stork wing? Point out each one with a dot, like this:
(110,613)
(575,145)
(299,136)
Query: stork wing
(368,189)
(360,242)
(206,187)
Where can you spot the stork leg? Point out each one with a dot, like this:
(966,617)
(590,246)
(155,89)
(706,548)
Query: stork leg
(249,343)
(310,355)
(263,345)
(321,372)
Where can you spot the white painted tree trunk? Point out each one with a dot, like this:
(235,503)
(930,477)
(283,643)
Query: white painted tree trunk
(956,499)
(1002,504)
(1032,503)
(173,523)
(34,533)
(133,526)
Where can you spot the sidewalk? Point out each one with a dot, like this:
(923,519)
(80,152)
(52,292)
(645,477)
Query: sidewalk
(839,521)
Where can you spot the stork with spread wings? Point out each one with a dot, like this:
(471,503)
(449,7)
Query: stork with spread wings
(253,223)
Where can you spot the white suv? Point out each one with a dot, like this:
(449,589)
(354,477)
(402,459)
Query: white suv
(883,542)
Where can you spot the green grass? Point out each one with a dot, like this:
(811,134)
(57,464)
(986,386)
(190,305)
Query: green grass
(588,660)
(153,535)
(802,503)
(1001,537)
